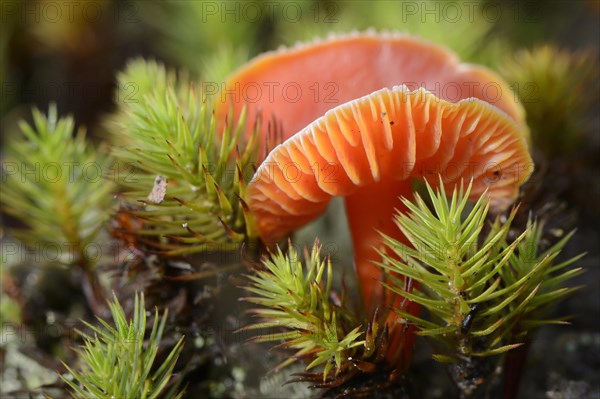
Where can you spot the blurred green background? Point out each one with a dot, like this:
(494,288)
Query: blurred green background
(69,51)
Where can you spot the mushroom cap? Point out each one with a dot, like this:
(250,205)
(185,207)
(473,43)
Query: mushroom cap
(297,85)
(389,135)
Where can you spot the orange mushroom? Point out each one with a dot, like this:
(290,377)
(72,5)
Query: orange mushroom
(297,85)
(369,150)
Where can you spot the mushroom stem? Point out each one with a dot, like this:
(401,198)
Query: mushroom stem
(370,210)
